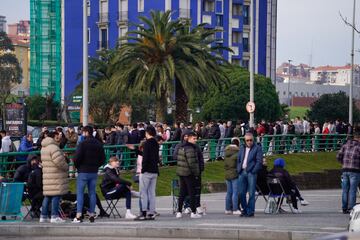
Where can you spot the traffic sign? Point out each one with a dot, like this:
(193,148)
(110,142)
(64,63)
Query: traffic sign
(250,107)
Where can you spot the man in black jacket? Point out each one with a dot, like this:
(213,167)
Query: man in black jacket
(114,187)
(177,133)
(149,174)
(134,136)
(35,189)
(22,173)
(89,157)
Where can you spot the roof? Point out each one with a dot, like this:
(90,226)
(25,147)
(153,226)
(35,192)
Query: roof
(331,68)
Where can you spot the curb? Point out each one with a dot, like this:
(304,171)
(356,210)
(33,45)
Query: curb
(18,230)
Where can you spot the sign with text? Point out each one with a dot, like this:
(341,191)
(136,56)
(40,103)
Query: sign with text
(15,119)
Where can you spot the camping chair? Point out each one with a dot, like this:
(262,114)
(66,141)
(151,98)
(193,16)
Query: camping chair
(261,192)
(277,194)
(111,205)
(11,200)
(175,190)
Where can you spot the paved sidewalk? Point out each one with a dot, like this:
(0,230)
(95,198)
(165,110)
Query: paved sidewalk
(321,217)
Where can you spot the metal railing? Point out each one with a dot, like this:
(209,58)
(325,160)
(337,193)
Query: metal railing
(212,149)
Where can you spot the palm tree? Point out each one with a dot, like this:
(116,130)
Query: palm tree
(167,57)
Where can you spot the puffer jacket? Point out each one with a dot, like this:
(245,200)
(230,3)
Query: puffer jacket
(187,161)
(111,178)
(55,169)
(230,162)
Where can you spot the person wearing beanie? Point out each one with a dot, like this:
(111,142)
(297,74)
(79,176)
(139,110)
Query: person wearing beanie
(288,184)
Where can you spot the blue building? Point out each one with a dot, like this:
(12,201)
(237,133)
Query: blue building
(109,19)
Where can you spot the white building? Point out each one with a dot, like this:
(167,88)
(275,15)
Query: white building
(334,75)
(2,23)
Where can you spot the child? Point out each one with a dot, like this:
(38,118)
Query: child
(114,187)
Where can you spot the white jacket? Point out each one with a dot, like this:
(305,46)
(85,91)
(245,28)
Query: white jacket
(5,144)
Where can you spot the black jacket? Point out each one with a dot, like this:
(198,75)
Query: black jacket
(34,183)
(90,155)
(214,132)
(134,137)
(111,138)
(22,172)
(150,157)
(177,135)
(111,178)
(284,177)
(261,181)
(229,132)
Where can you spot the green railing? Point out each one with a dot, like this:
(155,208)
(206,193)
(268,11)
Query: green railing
(212,149)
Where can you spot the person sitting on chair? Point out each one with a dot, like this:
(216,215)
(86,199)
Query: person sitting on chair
(114,187)
(288,184)
(22,173)
(35,188)
(261,185)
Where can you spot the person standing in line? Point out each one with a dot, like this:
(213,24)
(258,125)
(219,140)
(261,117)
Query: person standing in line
(188,170)
(149,174)
(5,142)
(249,163)
(55,178)
(349,157)
(231,177)
(90,155)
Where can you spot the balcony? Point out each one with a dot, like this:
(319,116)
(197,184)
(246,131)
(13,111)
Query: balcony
(123,17)
(103,19)
(184,13)
(102,45)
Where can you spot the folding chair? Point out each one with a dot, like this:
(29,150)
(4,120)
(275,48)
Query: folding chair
(261,192)
(111,205)
(175,190)
(26,199)
(277,193)
(11,200)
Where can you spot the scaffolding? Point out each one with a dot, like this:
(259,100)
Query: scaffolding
(45,48)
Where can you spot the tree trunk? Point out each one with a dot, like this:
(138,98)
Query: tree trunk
(181,101)
(161,105)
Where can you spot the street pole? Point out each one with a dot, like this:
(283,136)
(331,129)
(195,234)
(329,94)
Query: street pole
(85,67)
(352,69)
(251,65)
(288,89)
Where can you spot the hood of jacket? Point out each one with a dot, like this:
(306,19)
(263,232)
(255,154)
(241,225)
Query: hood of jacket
(48,141)
(232,147)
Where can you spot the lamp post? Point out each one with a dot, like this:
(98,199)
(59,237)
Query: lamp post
(85,67)
(352,68)
(288,87)
(251,65)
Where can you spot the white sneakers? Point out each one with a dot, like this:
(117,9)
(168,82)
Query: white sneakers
(178,215)
(187,210)
(195,215)
(296,211)
(238,212)
(304,202)
(200,210)
(43,220)
(57,220)
(228,212)
(129,215)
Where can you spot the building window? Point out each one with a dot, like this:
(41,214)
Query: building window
(88,35)
(208,6)
(122,34)
(219,7)
(140,5)
(103,44)
(88,7)
(245,13)
(104,9)
(219,20)
(245,42)
(236,9)
(236,37)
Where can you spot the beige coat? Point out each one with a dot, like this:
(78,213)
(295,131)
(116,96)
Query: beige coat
(55,169)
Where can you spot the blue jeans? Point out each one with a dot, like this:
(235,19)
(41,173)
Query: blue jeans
(349,183)
(232,195)
(83,180)
(247,184)
(55,200)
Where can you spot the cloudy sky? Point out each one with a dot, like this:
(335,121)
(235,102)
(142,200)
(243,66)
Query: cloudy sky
(309,31)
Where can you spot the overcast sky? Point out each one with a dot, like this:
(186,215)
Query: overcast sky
(305,28)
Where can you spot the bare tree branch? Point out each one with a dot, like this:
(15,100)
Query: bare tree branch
(348,24)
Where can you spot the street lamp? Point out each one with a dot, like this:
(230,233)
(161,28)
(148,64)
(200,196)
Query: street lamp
(352,69)
(85,66)
(289,75)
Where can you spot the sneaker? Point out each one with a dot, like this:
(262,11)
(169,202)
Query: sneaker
(178,215)
(296,211)
(140,218)
(150,217)
(187,211)
(57,220)
(156,214)
(195,215)
(43,220)
(129,215)
(92,219)
(228,212)
(77,220)
(238,212)
(199,210)
(346,211)
(104,215)
(304,202)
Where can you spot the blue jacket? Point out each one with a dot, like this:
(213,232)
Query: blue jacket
(25,146)
(255,159)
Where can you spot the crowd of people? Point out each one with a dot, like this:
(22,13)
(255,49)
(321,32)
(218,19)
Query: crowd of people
(47,174)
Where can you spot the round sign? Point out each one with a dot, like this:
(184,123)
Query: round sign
(250,107)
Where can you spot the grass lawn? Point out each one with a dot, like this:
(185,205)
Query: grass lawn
(297,111)
(214,171)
